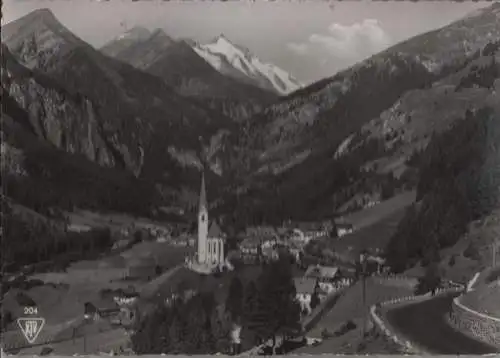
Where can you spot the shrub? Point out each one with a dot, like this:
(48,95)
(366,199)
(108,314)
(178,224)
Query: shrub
(350,325)
(325,334)
(452,261)
(493,276)
(471,252)
(24,300)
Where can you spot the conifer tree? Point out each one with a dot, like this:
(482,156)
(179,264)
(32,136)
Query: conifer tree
(234,301)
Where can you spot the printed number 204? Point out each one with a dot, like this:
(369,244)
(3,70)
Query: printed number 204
(30,310)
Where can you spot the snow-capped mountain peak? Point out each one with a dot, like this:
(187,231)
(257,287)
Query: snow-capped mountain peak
(238,62)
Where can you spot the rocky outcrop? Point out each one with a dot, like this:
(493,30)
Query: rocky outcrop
(69,122)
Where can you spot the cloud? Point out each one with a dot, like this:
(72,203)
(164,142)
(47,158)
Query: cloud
(300,49)
(351,42)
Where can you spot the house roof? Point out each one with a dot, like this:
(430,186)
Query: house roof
(344,226)
(305,285)
(250,242)
(261,231)
(309,226)
(321,271)
(214,230)
(376,259)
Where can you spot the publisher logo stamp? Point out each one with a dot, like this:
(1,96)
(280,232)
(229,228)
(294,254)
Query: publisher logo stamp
(31,326)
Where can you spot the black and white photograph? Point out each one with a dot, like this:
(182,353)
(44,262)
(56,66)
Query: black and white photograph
(250,178)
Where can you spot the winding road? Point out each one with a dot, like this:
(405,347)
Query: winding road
(425,324)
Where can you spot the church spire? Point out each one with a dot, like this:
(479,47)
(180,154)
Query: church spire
(203,194)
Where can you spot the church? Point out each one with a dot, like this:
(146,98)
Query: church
(211,240)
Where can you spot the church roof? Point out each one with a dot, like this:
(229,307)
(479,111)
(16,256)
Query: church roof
(214,230)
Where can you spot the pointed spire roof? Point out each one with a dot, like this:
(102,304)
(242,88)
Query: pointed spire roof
(203,194)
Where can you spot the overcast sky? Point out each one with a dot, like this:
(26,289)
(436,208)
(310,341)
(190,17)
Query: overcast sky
(310,39)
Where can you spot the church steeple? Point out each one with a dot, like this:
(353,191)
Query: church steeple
(202,222)
(203,195)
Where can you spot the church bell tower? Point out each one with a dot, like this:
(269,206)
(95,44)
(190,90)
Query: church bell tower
(202,223)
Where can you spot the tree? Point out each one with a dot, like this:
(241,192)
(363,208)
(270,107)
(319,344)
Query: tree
(181,328)
(431,280)
(315,300)
(220,326)
(279,309)
(250,301)
(234,301)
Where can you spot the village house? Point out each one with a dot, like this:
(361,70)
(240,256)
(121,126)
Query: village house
(99,309)
(250,246)
(310,230)
(295,250)
(344,229)
(263,232)
(121,244)
(326,276)
(376,262)
(305,288)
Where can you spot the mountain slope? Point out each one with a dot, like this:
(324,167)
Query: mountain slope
(68,121)
(41,176)
(239,63)
(182,68)
(138,51)
(142,119)
(332,141)
(459,183)
(125,40)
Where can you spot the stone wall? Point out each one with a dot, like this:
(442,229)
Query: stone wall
(475,324)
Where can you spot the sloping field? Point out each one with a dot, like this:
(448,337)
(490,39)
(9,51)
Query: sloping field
(185,279)
(108,220)
(484,299)
(384,209)
(162,254)
(488,276)
(373,236)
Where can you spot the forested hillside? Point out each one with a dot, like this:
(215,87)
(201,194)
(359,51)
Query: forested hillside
(459,182)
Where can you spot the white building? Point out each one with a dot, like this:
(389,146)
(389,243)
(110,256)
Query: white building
(305,288)
(344,229)
(210,240)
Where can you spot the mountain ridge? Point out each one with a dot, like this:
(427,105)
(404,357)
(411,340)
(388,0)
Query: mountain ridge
(239,62)
(175,62)
(335,128)
(141,125)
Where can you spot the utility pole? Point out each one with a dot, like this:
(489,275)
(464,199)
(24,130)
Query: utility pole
(495,241)
(494,247)
(362,260)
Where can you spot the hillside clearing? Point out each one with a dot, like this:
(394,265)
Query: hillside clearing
(369,216)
